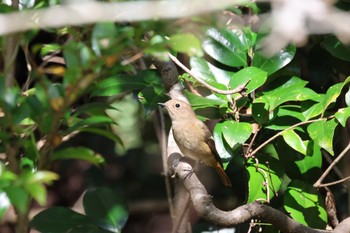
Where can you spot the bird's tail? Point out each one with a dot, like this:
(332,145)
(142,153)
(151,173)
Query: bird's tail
(223,177)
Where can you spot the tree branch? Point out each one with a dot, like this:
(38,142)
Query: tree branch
(80,13)
(205,208)
(341,155)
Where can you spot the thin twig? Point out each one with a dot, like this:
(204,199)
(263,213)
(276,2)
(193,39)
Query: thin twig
(281,132)
(319,181)
(238,89)
(251,144)
(334,182)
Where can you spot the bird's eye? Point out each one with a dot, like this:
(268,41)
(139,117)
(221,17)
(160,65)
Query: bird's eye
(177,105)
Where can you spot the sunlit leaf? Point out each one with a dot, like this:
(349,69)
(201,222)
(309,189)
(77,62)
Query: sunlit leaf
(294,141)
(255,76)
(81,153)
(342,115)
(236,133)
(305,205)
(276,62)
(322,133)
(292,90)
(226,46)
(262,176)
(186,43)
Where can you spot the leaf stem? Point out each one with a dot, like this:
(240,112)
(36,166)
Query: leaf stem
(238,89)
(281,132)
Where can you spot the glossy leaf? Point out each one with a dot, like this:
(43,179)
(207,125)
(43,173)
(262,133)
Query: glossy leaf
(220,144)
(107,208)
(186,43)
(208,72)
(297,165)
(81,153)
(291,90)
(342,115)
(60,219)
(336,48)
(322,133)
(236,133)
(261,175)
(226,46)
(276,62)
(294,141)
(305,205)
(347,98)
(262,114)
(255,76)
(325,100)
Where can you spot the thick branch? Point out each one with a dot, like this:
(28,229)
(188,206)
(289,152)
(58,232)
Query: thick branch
(205,208)
(131,11)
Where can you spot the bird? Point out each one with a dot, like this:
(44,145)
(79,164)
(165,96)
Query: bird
(193,137)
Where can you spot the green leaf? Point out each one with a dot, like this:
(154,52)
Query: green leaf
(236,133)
(297,165)
(255,76)
(347,98)
(330,97)
(49,48)
(186,43)
(322,133)
(38,192)
(342,115)
(107,208)
(294,141)
(104,133)
(81,153)
(336,48)
(227,46)
(151,96)
(261,113)
(202,102)
(305,205)
(208,72)
(118,83)
(260,175)
(276,62)
(103,36)
(220,144)
(60,219)
(91,121)
(18,197)
(292,89)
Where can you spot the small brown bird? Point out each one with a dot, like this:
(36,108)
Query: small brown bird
(193,137)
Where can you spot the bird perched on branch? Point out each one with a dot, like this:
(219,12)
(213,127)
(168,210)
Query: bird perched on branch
(193,137)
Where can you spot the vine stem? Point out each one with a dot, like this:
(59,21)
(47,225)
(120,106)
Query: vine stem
(238,89)
(281,132)
(341,155)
